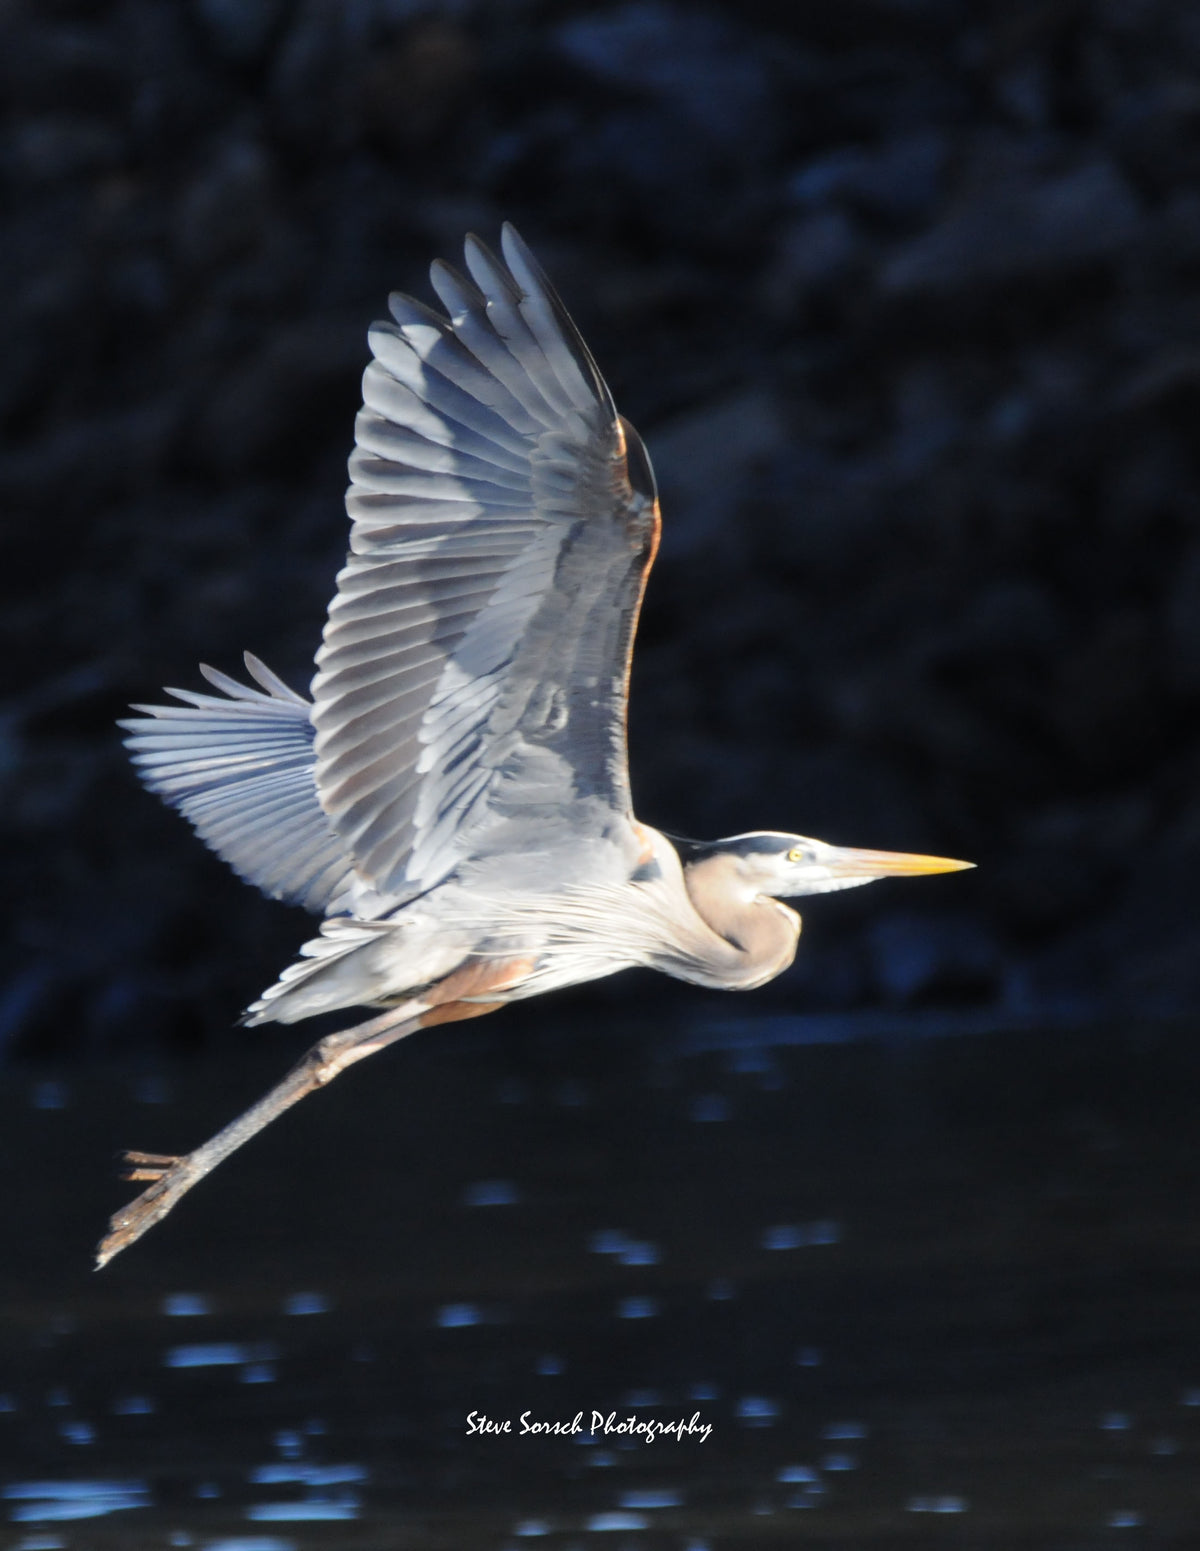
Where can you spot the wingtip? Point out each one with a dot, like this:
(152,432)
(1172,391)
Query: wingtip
(521,260)
(276,687)
(511,237)
(486,269)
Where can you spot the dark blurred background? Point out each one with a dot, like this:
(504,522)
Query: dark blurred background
(902,295)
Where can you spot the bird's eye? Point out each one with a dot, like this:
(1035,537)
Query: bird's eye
(796,854)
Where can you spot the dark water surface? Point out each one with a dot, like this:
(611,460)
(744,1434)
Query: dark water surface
(938,1292)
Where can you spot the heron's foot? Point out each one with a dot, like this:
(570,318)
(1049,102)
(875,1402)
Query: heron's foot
(172,1178)
(147,1165)
(169,1179)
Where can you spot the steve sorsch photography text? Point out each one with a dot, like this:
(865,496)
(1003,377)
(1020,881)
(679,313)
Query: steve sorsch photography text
(604,1425)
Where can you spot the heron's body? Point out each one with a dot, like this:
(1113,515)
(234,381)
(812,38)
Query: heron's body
(454,800)
(624,900)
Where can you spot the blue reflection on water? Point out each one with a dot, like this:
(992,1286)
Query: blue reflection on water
(50,1501)
(220,1354)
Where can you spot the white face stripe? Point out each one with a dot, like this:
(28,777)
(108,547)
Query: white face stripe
(827,886)
(771,870)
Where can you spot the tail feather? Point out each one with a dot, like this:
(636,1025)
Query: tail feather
(313,983)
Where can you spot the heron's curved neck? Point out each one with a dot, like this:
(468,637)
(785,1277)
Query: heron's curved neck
(760,931)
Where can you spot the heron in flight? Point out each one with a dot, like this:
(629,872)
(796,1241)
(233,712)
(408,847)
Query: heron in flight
(454,799)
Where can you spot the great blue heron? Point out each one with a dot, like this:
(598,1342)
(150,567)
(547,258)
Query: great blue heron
(454,799)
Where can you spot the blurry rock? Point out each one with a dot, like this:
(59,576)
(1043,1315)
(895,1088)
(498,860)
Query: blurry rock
(921,958)
(51,62)
(1160,979)
(813,253)
(928,419)
(139,283)
(671,178)
(703,461)
(897,701)
(27,993)
(1183,625)
(1106,703)
(833,974)
(238,29)
(827,515)
(1012,620)
(1179,227)
(307,87)
(843,795)
(93,456)
(413,91)
(1006,230)
(443,218)
(639,294)
(1026,91)
(902,177)
(1068,861)
(228,207)
(697,62)
(51,149)
(1137,951)
(301,387)
(1037,891)
(940,570)
(1109,827)
(1171,373)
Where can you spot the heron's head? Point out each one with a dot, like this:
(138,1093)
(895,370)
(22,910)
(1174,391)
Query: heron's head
(769,862)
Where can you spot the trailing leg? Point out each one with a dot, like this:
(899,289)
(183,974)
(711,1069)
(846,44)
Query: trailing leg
(174,1177)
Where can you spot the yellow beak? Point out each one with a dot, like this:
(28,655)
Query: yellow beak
(847,862)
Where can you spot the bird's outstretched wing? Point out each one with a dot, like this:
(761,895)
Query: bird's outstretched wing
(239,767)
(474,670)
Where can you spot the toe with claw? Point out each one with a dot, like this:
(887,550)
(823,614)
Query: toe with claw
(146,1165)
